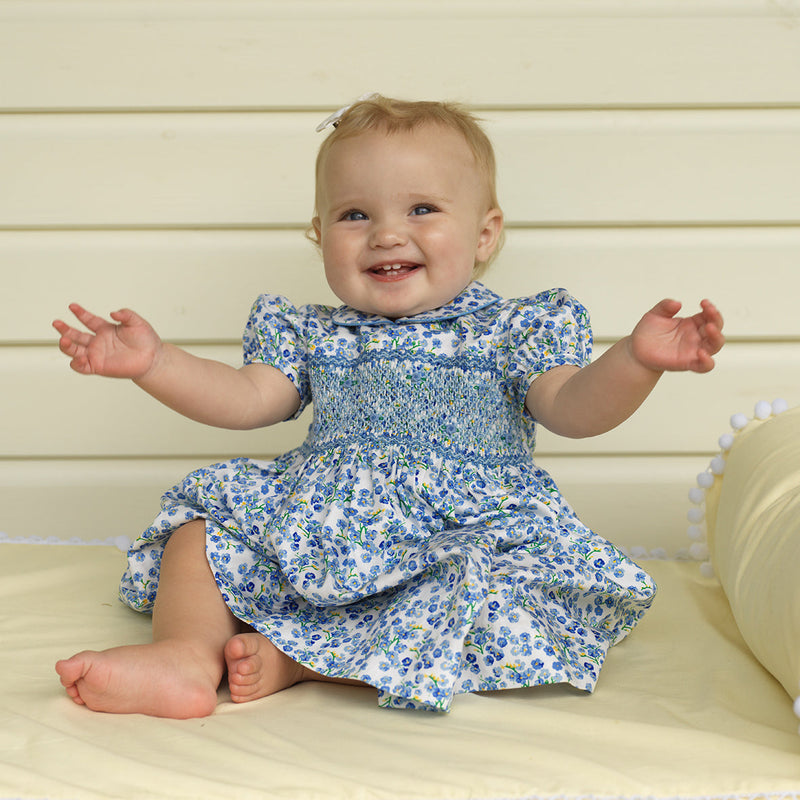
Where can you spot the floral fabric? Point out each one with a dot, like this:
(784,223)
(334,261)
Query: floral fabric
(411,542)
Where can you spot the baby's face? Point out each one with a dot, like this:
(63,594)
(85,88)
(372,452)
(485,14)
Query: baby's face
(403,218)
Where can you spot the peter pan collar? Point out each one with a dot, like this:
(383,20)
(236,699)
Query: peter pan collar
(475,297)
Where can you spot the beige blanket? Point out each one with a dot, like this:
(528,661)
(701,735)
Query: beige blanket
(682,710)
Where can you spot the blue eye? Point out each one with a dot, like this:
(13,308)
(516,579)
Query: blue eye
(354,216)
(419,211)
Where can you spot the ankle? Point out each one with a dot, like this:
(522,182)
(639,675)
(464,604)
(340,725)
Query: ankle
(201,655)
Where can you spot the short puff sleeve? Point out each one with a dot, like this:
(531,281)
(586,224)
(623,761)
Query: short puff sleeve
(274,335)
(549,330)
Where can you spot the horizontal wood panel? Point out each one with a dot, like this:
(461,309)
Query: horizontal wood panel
(46,410)
(555,168)
(635,502)
(199,285)
(645,149)
(201,54)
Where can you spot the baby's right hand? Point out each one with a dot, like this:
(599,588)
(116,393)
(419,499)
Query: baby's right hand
(128,349)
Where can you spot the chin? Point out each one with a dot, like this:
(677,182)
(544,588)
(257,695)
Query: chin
(394,309)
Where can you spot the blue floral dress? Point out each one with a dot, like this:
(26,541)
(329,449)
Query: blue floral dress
(411,542)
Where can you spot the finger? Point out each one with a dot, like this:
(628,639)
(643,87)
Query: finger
(72,334)
(81,364)
(714,339)
(667,307)
(91,321)
(712,314)
(703,362)
(69,347)
(711,327)
(74,343)
(61,327)
(125,316)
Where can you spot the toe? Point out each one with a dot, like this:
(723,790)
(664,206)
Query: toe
(240,646)
(250,666)
(71,670)
(239,679)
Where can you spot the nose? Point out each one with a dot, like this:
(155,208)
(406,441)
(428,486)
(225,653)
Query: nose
(386,234)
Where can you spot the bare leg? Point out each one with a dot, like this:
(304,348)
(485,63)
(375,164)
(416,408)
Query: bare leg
(195,638)
(178,674)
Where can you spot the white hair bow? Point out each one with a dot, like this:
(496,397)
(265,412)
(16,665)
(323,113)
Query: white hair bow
(333,119)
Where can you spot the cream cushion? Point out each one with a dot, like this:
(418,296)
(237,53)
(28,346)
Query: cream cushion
(682,710)
(753,523)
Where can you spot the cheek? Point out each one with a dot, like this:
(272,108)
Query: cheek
(331,250)
(444,240)
(337,241)
(455,247)
(335,260)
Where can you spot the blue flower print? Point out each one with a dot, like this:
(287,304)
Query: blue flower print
(410,542)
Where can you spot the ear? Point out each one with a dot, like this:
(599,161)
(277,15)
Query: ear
(491,229)
(316,227)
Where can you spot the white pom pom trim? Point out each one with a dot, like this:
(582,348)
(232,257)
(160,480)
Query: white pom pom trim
(697,531)
(696,496)
(738,421)
(695,515)
(705,480)
(726,441)
(763,410)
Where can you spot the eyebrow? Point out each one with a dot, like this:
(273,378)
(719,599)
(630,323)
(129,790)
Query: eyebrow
(413,198)
(432,197)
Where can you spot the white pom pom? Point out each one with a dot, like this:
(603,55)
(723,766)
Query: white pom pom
(696,515)
(695,533)
(659,553)
(707,569)
(739,421)
(122,543)
(699,551)
(763,410)
(779,406)
(718,465)
(797,706)
(726,441)
(696,496)
(705,480)
(638,552)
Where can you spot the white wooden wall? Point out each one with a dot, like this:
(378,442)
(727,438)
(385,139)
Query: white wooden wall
(158,154)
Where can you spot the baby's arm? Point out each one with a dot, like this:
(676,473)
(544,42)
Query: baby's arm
(578,402)
(204,390)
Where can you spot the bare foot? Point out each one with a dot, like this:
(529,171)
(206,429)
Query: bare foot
(163,679)
(256,668)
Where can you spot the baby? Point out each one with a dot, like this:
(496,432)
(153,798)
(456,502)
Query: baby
(410,544)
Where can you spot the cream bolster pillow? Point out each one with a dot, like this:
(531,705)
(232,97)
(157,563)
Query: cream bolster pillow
(752,513)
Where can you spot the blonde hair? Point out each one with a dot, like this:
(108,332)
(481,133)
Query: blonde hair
(402,116)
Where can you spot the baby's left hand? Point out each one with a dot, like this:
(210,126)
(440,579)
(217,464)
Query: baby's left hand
(663,342)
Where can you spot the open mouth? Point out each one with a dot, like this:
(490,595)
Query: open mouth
(393,272)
